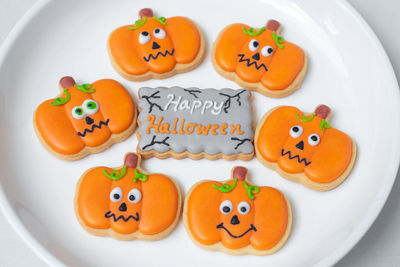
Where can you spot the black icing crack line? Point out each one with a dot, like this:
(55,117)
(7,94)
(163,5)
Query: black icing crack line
(152,104)
(151,56)
(153,142)
(241,141)
(283,153)
(227,103)
(94,126)
(193,92)
(247,60)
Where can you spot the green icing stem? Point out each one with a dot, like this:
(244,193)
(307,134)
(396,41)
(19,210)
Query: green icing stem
(225,188)
(60,100)
(161,20)
(139,23)
(324,125)
(115,174)
(251,189)
(86,88)
(253,32)
(141,176)
(305,118)
(279,40)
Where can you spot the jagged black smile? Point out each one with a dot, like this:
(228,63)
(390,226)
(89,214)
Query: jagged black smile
(283,153)
(109,214)
(93,127)
(159,54)
(221,226)
(247,60)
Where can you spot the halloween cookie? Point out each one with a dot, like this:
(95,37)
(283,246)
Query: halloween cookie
(237,217)
(85,119)
(304,148)
(127,203)
(156,47)
(259,59)
(190,122)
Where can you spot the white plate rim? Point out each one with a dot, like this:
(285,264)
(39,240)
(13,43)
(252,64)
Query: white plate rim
(332,259)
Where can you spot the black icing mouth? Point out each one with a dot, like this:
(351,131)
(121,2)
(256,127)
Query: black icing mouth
(221,226)
(93,127)
(283,153)
(151,56)
(109,214)
(247,60)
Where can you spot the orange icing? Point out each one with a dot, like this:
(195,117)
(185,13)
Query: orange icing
(182,36)
(268,213)
(328,159)
(157,208)
(282,67)
(59,128)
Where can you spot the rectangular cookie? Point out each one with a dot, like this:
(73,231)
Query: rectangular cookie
(196,123)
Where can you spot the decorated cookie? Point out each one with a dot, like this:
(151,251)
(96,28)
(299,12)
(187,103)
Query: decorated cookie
(195,123)
(259,59)
(237,217)
(85,119)
(156,47)
(126,202)
(305,148)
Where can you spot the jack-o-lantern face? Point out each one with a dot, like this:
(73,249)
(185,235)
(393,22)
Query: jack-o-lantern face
(305,148)
(126,203)
(85,118)
(242,217)
(155,46)
(259,59)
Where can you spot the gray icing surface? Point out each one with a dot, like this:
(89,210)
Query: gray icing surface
(196,106)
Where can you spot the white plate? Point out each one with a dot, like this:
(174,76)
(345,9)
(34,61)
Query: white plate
(348,70)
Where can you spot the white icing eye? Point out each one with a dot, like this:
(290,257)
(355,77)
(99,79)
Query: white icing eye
(226,207)
(78,112)
(144,37)
(313,139)
(90,106)
(243,207)
(267,50)
(134,195)
(116,194)
(253,45)
(159,33)
(296,131)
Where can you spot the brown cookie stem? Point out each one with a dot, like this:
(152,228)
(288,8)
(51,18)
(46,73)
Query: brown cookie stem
(131,160)
(322,111)
(239,173)
(273,25)
(66,82)
(145,12)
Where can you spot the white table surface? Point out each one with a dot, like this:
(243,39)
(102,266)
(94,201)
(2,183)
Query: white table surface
(379,247)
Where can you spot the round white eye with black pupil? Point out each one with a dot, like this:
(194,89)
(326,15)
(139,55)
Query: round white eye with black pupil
(253,45)
(78,112)
(90,106)
(226,207)
(313,139)
(144,37)
(243,207)
(159,33)
(134,195)
(267,50)
(116,194)
(296,131)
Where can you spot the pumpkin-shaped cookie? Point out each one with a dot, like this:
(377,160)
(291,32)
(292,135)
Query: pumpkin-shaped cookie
(155,47)
(304,147)
(127,203)
(237,217)
(85,118)
(259,59)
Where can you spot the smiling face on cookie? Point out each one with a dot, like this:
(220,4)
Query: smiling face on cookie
(237,214)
